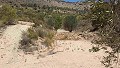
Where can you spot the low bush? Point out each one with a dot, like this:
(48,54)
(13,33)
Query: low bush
(27,44)
(50,21)
(32,33)
(58,21)
(8,14)
(41,31)
(70,23)
(47,35)
(49,42)
(50,34)
(94,49)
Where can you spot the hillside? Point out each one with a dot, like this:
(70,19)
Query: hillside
(58,3)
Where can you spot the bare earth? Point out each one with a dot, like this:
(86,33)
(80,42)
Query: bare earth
(70,53)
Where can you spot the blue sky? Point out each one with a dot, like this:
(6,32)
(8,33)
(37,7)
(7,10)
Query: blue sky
(81,0)
(72,0)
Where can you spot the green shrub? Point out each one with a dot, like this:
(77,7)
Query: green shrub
(106,17)
(50,21)
(101,14)
(58,21)
(32,34)
(70,23)
(8,14)
(2,23)
(40,16)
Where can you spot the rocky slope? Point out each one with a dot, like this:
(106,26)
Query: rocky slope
(58,3)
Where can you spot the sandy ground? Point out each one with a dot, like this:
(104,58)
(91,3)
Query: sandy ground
(69,53)
(9,43)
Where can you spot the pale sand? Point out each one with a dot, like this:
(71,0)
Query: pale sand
(70,53)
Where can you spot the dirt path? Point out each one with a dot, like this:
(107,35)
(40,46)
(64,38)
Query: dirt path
(9,43)
(70,53)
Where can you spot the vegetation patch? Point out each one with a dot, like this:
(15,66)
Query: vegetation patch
(70,23)
(29,40)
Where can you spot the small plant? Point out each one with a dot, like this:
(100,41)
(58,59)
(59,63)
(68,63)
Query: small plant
(25,39)
(49,39)
(109,60)
(41,32)
(27,44)
(32,34)
(50,35)
(47,35)
(58,21)
(49,42)
(94,49)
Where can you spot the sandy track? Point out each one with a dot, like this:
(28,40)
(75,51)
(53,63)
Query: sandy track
(9,43)
(70,53)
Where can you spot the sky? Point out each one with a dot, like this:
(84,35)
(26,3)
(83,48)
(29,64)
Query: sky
(80,0)
(72,0)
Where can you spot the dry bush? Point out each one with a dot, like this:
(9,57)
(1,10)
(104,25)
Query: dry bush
(45,34)
(27,44)
(94,49)
(41,32)
(50,34)
(32,33)
(49,43)
(25,39)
